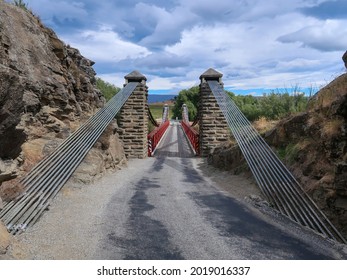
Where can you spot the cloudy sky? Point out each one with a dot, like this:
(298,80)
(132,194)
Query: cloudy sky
(256,44)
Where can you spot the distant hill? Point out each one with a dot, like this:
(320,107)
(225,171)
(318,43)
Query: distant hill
(154,98)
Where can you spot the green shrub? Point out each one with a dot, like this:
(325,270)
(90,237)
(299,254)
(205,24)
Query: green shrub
(272,106)
(21,4)
(190,97)
(108,90)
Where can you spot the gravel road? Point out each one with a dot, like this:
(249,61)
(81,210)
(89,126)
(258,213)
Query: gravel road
(168,207)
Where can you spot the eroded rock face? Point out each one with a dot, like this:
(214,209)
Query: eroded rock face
(47,90)
(39,73)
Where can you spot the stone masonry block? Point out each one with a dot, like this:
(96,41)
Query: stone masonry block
(134,123)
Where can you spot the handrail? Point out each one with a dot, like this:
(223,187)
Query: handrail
(192,135)
(155,136)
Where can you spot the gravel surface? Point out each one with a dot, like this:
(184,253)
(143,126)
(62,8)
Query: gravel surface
(168,207)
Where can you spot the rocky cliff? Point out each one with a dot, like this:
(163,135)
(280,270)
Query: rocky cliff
(47,89)
(313,145)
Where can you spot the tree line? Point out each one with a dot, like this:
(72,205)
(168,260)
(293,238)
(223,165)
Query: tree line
(272,105)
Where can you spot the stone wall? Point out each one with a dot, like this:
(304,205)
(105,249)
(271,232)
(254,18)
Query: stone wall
(213,126)
(133,120)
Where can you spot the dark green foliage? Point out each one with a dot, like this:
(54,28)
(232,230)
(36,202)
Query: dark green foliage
(271,106)
(190,97)
(108,90)
(249,105)
(21,4)
(276,105)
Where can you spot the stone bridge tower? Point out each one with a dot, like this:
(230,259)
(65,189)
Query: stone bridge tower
(213,127)
(133,118)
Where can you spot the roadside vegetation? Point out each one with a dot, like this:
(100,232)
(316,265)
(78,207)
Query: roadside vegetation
(271,106)
(108,90)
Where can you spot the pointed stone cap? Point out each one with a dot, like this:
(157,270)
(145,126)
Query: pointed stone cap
(135,76)
(211,74)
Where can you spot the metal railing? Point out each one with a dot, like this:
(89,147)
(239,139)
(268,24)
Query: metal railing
(191,133)
(155,136)
(45,180)
(274,179)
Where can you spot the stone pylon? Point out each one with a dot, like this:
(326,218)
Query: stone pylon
(213,128)
(133,118)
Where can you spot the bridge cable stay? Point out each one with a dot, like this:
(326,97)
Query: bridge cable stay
(45,180)
(274,179)
(154,137)
(151,118)
(190,132)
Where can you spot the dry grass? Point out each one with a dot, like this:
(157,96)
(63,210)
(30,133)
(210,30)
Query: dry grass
(332,128)
(304,144)
(330,93)
(263,125)
(325,100)
(315,119)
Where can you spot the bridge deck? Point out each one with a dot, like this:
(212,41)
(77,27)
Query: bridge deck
(174,143)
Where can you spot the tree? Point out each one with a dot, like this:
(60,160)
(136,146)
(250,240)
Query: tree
(271,106)
(108,90)
(190,97)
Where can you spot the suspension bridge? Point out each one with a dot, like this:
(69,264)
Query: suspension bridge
(217,117)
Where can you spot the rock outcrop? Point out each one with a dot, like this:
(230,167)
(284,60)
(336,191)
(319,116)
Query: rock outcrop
(314,144)
(344,58)
(47,90)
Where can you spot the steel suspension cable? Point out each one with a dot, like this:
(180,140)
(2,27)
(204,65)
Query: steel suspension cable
(45,180)
(265,166)
(151,118)
(273,178)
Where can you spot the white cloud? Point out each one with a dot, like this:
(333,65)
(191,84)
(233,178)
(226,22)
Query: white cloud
(105,45)
(61,10)
(328,35)
(299,63)
(254,43)
(116,79)
(167,26)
